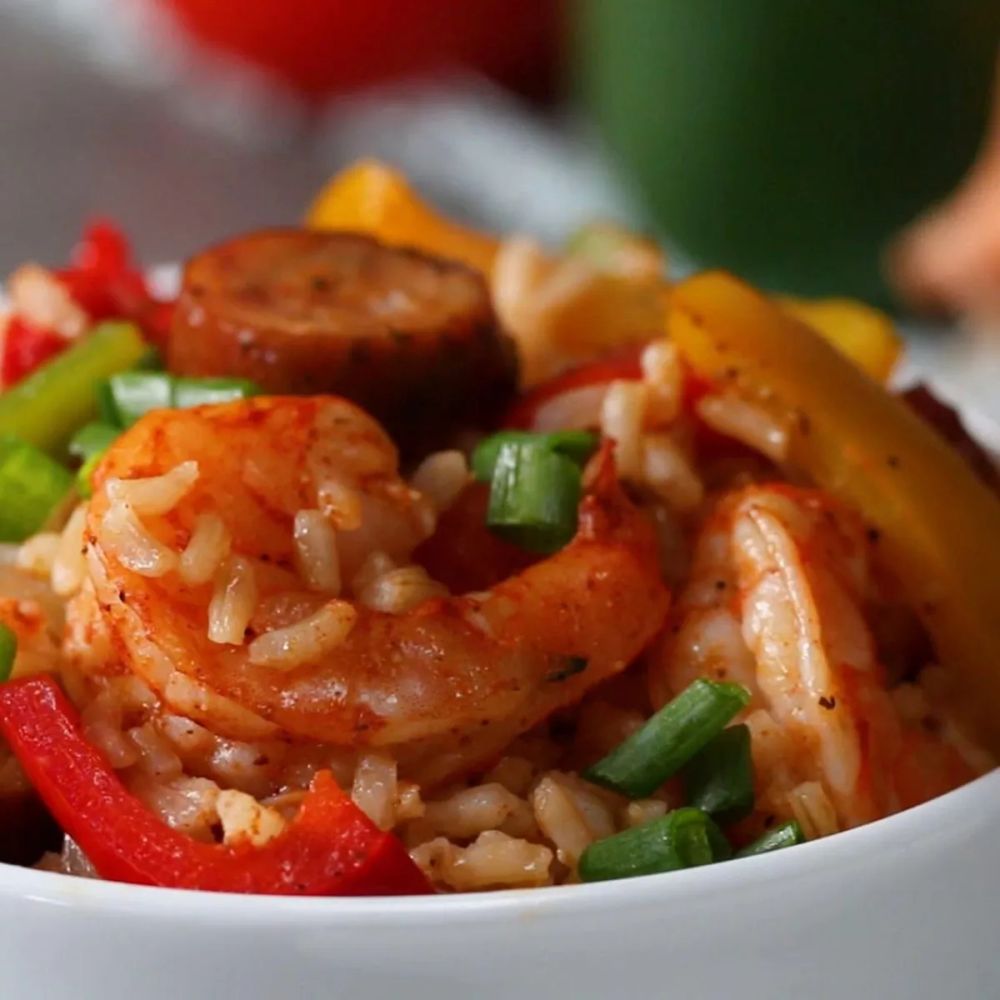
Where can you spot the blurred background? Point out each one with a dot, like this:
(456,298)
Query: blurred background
(791,142)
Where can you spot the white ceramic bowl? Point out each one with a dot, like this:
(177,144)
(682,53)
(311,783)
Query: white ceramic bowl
(908,907)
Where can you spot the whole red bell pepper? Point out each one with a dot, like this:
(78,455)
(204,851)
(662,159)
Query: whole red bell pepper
(331,848)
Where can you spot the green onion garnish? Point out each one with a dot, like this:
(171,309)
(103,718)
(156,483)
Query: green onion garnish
(107,412)
(89,445)
(85,475)
(91,439)
(151,360)
(722,850)
(188,392)
(52,402)
(534,497)
(719,778)
(8,651)
(669,739)
(577,445)
(136,393)
(32,485)
(680,839)
(787,835)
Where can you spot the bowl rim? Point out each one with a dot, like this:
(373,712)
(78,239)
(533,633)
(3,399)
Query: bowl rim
(909,829)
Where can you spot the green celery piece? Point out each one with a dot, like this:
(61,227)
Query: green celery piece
(47,407)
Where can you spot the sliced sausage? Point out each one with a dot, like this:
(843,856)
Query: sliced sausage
(410,337)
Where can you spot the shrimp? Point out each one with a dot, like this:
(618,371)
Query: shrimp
(443,685)
(776,602)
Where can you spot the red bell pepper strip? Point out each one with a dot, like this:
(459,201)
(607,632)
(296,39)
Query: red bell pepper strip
(25,347)
(622,365)
(330,849)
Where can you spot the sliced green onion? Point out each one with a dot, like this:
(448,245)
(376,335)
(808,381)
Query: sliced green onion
(577,445)
(91,439)
(678,840)
(669,739)
(719,778)
(8,651)
(107,412)
(534,497)
(722,850)
(135,394)
(787,835)
(89,445)
(188,392)
(52,402)
(85,475)
(151,360)
(32,485)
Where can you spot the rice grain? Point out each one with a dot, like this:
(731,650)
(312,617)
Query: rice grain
(374,789)
(669,474)
(69,567)
(243,819)
(233,602)
(399,590)
(316,551)
(154,495)
(127,539)
(205,551)
(744,421)
(622,415)
(306,641)
(440,477)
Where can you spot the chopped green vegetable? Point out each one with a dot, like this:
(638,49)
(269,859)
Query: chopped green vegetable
(577,445)
(136,393)
(89,445)
(719,778)
(151,361)
(107,412)
(670,738)
(48,406)
(85,475)
(787,835)
(534,497)
(188,392)
(680,839)
(8,651)
(91,439)
(722,850)
(32,485)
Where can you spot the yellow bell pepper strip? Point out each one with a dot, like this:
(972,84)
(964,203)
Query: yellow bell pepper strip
(938,525)
(372,198)
(866,335)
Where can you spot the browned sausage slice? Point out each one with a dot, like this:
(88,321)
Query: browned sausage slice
(410,337)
